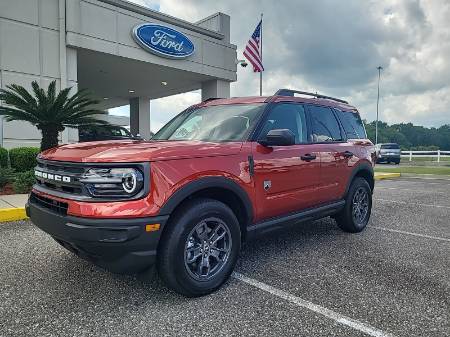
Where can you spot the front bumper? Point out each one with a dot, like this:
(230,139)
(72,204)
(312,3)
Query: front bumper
(119,245)
(388,157)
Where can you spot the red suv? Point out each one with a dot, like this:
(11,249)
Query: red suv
(214,176)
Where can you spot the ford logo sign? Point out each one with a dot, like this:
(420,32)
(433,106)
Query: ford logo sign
(163,41)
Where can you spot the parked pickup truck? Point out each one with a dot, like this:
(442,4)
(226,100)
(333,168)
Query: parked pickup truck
(216,175)
(388,152)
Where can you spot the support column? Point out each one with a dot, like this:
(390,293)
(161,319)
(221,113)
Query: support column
(140,116)
(215,89)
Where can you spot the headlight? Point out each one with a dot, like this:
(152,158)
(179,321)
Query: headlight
(113,182)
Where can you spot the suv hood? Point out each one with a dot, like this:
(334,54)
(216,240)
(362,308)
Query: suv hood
(138,151)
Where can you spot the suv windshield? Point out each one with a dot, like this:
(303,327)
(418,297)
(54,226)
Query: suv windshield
(218,123)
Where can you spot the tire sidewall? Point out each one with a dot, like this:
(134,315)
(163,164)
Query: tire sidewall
(358,183)
(191,216)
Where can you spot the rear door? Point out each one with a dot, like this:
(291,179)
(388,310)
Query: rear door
(286,177)
(329,139)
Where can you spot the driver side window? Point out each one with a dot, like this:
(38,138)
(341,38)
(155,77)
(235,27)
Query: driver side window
(289,116)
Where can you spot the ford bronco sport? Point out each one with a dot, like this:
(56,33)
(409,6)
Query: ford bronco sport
(214,176)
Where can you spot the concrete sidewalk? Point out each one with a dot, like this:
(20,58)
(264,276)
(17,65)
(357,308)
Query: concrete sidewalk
(13,200)
(12,207)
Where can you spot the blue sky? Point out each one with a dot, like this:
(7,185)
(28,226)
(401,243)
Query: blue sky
(334,47)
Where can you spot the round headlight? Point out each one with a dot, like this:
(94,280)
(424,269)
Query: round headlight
(129,182)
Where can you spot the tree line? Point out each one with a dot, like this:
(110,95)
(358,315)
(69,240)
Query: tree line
(410,136)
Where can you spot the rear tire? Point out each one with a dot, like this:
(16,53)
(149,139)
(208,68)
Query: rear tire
(358,205)
(199,247)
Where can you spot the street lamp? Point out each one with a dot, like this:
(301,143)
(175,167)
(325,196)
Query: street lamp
(378,101)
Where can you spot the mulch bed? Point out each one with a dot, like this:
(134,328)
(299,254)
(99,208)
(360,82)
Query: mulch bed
(8,189)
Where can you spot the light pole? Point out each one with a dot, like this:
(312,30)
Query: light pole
(378,101)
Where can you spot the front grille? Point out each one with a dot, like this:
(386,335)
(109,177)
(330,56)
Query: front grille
(56,206)
(72,171)
(62,179)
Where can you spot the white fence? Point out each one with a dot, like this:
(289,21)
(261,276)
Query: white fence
(428,154)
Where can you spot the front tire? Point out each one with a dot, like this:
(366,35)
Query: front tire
(358,206)
(199,248)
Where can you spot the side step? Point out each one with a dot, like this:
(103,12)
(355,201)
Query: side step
(294,218)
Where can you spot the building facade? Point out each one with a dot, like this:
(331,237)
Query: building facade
(93,44)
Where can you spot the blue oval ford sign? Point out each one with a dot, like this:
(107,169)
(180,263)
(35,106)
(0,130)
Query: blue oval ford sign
(163,41)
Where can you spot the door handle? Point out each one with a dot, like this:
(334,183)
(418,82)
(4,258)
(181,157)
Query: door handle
(308,157)
(348,154)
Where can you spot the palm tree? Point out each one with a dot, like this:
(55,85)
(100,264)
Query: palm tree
(49,112)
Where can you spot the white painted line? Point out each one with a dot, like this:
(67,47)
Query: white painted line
(412,203)
(335,316)
(409,182)
(406,189)
(409,233)
(426,178)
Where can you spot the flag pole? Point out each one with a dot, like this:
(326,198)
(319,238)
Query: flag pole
(261,53)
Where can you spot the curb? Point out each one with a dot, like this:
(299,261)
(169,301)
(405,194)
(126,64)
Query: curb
(12,214)
(382,175)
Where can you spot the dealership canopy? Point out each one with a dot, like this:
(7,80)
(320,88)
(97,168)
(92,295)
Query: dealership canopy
(122,52)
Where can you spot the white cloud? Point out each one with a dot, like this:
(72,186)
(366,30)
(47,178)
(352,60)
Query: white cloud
(334,47)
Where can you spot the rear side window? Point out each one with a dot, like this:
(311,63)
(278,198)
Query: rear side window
(353,125)
(325,127)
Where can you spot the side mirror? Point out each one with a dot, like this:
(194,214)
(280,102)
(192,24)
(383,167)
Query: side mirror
(279,137)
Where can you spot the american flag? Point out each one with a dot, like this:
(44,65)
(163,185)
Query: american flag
(252,51)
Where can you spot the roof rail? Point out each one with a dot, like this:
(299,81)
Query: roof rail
(289,92)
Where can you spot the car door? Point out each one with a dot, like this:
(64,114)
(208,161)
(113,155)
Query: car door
(327,136)
(286,177)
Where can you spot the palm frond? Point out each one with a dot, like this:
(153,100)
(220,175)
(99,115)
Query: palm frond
(39,93)
(23,93)
(80,99)
(58,105)
(17,97)
(48,108)
(12,114)
(51,91)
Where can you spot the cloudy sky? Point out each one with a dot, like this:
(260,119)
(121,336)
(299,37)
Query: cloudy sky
(334,47)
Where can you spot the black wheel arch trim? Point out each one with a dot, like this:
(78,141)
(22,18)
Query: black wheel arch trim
(205,183)
(362,167)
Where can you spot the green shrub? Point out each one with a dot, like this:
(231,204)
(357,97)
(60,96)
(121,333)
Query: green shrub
(6,176)
(24,181)
(3,157)
(23,158)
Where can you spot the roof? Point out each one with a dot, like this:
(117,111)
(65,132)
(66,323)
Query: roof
(267,99)
(128,5)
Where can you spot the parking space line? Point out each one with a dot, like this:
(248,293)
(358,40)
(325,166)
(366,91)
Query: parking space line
(410,233)
(335,316)
(405,189)
(411,180)
(426,178)
(418,181)
(412,203)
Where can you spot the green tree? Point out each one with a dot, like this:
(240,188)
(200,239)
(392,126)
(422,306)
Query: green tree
(410,136)
(50,112)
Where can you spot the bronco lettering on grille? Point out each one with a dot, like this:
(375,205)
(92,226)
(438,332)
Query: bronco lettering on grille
(51,176)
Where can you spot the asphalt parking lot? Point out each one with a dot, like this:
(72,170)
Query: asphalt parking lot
(310,280)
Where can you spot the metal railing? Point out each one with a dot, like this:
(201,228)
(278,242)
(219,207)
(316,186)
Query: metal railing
(426,154)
